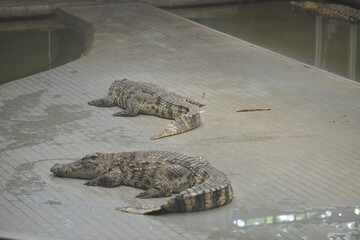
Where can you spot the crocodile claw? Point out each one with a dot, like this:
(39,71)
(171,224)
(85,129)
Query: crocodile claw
(91,183)
(151,193)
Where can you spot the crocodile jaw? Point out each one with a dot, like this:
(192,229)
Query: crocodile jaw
(78,169)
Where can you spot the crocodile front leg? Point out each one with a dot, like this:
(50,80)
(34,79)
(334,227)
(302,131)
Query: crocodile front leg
(132,109)
(111,179)
(108,101)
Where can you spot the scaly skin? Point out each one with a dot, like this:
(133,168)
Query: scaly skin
(200,186)
(331,10)
(140,97)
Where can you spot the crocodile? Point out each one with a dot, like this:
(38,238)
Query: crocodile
(147,98)
(331,10)
(196,184)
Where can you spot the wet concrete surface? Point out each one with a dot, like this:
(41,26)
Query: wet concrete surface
(294,169)
(10,9)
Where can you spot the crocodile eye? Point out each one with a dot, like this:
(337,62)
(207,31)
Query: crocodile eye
(94,155)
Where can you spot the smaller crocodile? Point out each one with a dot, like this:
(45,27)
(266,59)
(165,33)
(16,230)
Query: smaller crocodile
(331,10)
(200,185)
(147,98)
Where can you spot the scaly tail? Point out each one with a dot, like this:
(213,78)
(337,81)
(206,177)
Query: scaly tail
(145,209)
(214,192)
(184,123)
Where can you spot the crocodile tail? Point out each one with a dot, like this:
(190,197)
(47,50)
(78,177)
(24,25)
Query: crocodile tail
(197,199)
(214,192)
(184,123)
(145,209)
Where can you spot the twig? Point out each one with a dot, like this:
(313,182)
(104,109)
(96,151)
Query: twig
(253,109)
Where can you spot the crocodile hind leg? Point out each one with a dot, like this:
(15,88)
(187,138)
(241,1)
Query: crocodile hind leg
(104,102)
(132,109)
(169,179)
(162,188)
(111,179)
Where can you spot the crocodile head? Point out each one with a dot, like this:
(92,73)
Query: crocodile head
(118,87)
(89,167)
(306,4)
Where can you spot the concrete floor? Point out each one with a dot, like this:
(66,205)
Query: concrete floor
(299,159)
(37,8)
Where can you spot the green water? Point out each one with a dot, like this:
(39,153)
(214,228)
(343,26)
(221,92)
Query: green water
(35,46)
(327,43)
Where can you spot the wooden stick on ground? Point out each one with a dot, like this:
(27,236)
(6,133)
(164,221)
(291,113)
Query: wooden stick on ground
(253,109)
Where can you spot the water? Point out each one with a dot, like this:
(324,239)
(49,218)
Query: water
(327,43)
(340,217)
(244,222)
(34,46)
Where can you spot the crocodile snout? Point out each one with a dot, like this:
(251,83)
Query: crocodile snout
(55,169)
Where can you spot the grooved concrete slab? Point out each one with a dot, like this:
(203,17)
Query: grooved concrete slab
(300,156)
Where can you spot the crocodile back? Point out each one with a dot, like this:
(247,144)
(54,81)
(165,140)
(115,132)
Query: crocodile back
(340,11)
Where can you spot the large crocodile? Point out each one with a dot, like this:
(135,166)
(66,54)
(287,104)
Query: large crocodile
(140,97)
(200,185)
(331,10)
